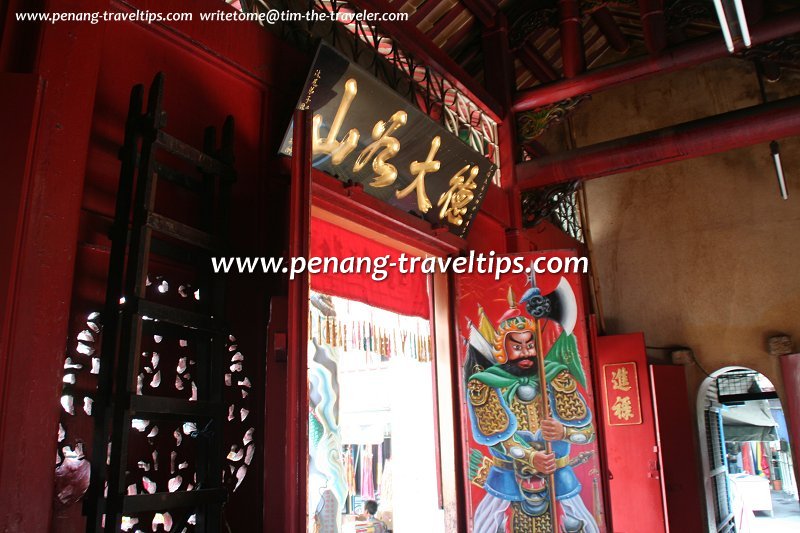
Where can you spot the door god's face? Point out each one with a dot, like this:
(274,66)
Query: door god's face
(520,348)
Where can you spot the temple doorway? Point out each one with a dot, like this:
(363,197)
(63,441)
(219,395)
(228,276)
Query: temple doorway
(749,473)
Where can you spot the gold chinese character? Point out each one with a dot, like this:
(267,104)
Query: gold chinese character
(454,202)
(419,170)
(622,408)
(382,139)
(620,381)
(338,150)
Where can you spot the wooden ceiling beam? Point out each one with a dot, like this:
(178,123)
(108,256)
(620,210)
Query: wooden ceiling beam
(483,10)
(710,135)
(413,41)
(688,55)
(470,56)
(534,61)
(654,25)
(500,79)
(571,35)
(610,29)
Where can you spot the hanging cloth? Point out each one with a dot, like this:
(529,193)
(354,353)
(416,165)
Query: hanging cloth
(386,508)
(350,472)
(406,294)
(764,457)
(367,485)
(327,516)
(747,459)
(379,467)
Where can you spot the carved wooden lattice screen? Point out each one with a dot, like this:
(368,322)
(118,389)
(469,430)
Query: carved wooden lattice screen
(158,365)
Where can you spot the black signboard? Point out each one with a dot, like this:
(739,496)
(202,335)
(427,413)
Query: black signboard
(365,132)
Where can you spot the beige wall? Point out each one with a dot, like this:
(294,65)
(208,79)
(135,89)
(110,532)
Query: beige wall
(704,252)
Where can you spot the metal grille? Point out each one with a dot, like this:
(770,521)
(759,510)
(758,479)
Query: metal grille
(716,450)
(717,461)
(743,385)
(558,204)
(737,382)
(367,45)
(721,498)
(712,394)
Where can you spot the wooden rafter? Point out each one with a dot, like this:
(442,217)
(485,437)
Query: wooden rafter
(654,25)
(611,30)
(483,10)
(422,11)
(448,18)
(535,62)
(458,37)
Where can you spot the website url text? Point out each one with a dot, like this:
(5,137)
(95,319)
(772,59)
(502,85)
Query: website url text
(273,16)
(379,267)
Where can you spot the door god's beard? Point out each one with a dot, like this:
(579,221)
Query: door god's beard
(512,367)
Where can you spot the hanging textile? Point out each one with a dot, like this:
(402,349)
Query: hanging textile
(386,508)
(747,459)
(358,462)
(350,471)
(380,335)
(763,459)
(367,485)
(757,458)
(379,466)
(326,516)
(405,293)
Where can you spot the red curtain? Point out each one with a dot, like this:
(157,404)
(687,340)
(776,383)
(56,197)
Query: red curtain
(406,294)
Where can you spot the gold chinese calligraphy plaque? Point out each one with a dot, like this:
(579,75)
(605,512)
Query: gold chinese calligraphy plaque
(364,132)
(621,394)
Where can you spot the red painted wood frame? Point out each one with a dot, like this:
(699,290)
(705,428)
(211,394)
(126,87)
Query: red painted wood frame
(601,421)
(296,476)
(48,177)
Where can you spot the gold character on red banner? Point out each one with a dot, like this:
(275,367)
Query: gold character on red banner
(622,408)
(620,380)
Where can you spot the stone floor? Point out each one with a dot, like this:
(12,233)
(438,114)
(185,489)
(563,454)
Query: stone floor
(785,519)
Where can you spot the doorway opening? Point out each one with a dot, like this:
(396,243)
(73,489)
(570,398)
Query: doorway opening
(749,473)
(374,440)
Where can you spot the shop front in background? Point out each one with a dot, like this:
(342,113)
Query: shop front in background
(373,453)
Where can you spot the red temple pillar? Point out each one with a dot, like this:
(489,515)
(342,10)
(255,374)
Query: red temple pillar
(790,368)
(46,143)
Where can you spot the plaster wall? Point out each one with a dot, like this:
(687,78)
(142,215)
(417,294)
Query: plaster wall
(702,252)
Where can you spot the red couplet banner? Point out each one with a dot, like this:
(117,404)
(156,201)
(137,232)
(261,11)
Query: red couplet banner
(621,391)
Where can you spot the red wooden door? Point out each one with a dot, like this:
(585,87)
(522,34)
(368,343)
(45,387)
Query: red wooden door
(678,452)
(626,409)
